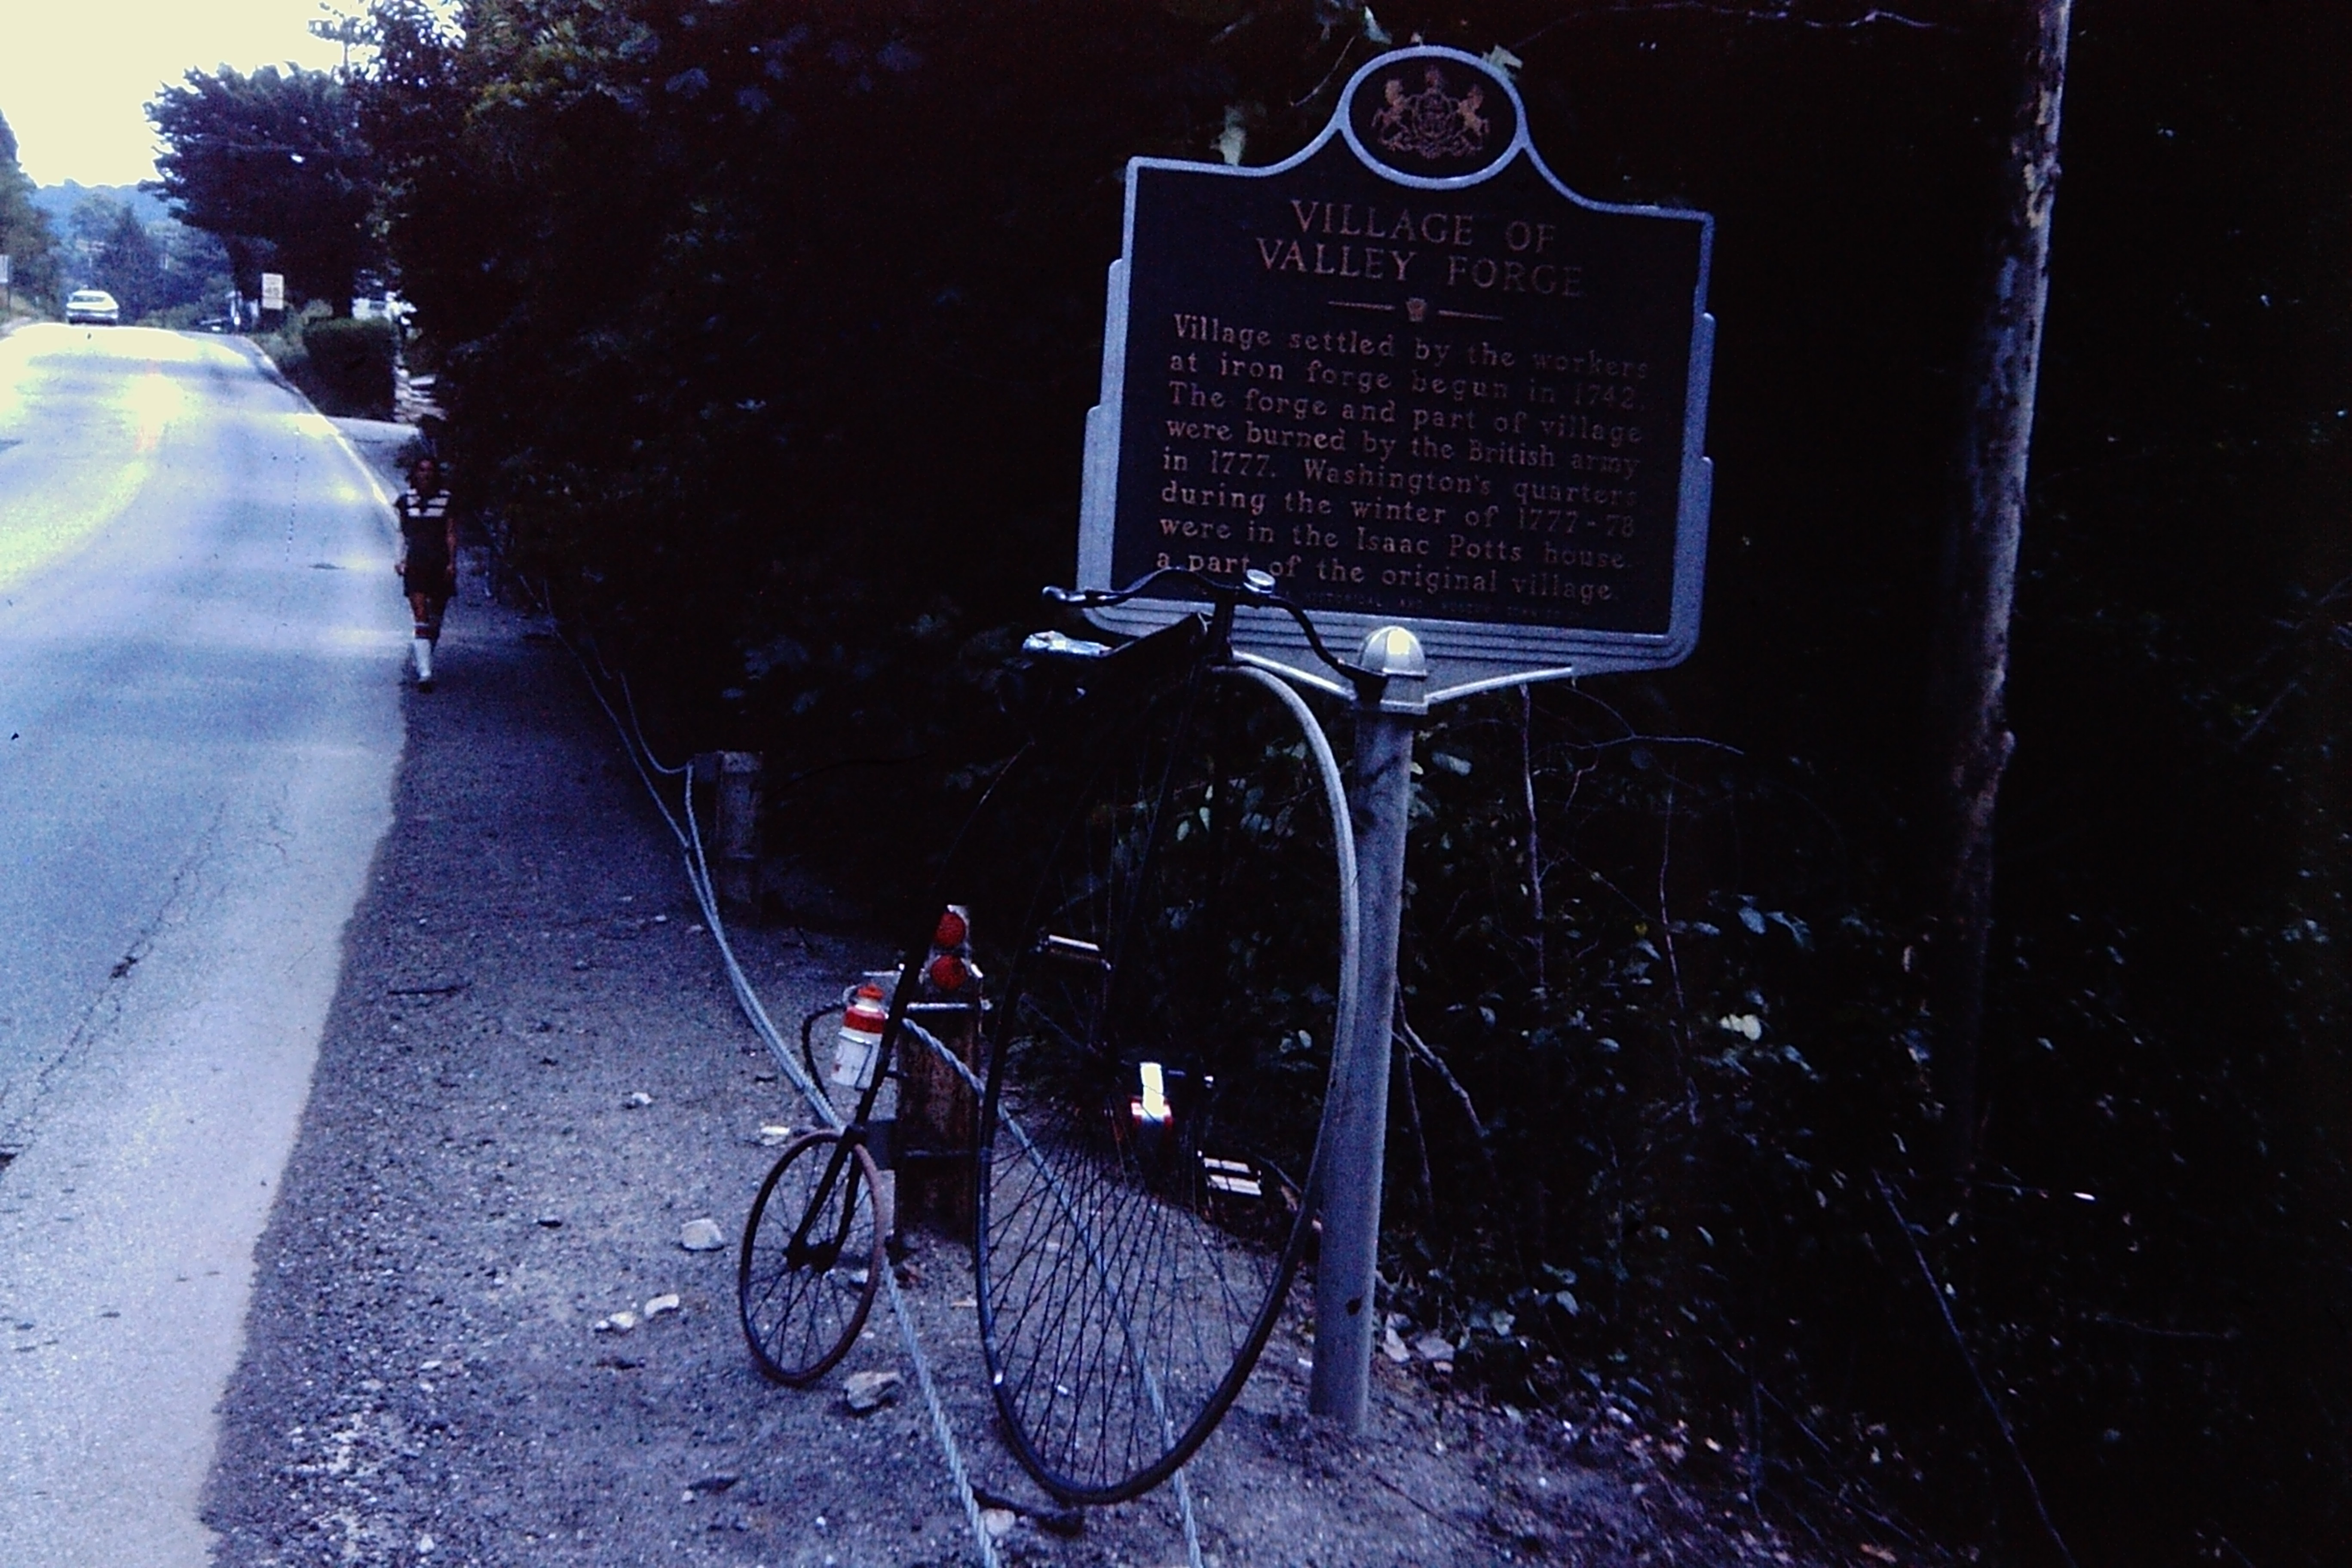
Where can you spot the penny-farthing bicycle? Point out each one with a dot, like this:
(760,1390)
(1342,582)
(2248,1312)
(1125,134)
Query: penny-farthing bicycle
(1177,938)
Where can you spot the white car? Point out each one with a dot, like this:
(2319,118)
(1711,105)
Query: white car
(92,307)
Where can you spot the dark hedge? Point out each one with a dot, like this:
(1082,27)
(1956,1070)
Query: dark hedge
(350,365)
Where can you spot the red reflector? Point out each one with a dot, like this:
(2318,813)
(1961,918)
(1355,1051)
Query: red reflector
(952,928)
(867,1011)
(948,972)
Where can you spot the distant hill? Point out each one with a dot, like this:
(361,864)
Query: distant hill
(59,201)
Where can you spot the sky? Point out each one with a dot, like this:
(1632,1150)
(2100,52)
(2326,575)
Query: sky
(75,76)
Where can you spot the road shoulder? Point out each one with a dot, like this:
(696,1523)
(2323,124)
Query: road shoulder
(532,1077)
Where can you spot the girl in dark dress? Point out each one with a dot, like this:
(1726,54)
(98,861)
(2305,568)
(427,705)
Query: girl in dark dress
(428,557)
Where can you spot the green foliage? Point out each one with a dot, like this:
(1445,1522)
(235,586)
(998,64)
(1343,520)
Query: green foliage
(349,365)
(197,280)
(123,258)
(285,349)
(25,233)
(274,165)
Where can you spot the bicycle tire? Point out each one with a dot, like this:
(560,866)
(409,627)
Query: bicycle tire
(811,1258)
(1157,1078)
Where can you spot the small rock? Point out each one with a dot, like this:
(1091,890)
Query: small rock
(702,1236)
(712,1485)
(638,1100)
(1059,1521)
(867,1392)
(659,1305)
(1433,1347)
(998,1522)
(774,1137)
(1047,1517)
(618,1323)
(552,1221)
(1392,1346)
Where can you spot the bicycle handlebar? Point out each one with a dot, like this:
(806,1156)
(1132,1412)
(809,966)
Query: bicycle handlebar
(1251,587)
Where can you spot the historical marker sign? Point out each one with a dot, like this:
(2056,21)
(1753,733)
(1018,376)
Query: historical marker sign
(1419,380)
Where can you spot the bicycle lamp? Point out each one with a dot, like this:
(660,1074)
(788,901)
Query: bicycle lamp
(858,1046)
(1152,1105)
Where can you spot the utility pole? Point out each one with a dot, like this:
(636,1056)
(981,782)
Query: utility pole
(1970,675)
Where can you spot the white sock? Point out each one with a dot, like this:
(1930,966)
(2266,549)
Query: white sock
(424,659)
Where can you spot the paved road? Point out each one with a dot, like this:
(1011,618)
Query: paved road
(200,648)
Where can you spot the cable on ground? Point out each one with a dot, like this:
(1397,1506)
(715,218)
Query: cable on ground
(697,878)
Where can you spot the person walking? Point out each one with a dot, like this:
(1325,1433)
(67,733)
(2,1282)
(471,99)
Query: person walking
(428,557)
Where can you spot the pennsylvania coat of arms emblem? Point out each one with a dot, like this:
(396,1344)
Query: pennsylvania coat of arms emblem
(1432,123)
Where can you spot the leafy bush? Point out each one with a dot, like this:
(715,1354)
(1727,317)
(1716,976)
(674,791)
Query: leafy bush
(284,345)
(350,365)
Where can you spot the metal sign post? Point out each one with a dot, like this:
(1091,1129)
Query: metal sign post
(1355,1132)
(1456,410)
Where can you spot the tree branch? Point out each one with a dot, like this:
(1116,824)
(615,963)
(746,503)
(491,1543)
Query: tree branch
(1984,1390)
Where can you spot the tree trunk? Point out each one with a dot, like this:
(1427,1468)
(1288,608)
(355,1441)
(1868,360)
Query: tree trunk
(1971,672)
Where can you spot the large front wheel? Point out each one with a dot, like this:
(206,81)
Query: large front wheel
(1158,1077)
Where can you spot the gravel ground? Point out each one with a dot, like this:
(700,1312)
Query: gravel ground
(533,1076)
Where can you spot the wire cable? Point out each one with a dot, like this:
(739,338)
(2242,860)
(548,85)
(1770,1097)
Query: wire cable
(697,878)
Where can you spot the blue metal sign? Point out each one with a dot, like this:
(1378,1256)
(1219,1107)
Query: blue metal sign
(1419,380)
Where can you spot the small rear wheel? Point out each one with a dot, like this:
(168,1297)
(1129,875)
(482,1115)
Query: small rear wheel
(811,1258)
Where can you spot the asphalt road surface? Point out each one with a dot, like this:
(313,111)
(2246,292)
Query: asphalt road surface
(201,648)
